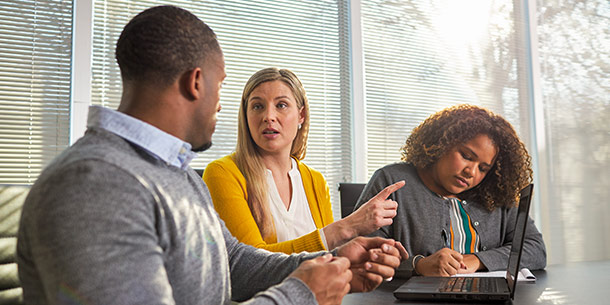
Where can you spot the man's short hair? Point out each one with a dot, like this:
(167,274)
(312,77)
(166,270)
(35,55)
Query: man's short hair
(161,43)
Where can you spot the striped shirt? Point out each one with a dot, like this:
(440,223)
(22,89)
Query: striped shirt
(462,236)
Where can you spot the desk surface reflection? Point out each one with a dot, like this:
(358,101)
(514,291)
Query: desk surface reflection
(572,283)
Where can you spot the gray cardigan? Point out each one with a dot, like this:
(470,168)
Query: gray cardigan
(107,223)
(422,216)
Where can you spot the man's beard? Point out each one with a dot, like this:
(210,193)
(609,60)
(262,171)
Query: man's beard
(203,147)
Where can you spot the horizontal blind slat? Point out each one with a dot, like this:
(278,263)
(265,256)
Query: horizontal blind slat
(35,71)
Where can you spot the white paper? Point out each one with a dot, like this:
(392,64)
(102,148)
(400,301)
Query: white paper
(525,275)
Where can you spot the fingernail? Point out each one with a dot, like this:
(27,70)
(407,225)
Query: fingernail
(367,266)
(385,247)
(374,256)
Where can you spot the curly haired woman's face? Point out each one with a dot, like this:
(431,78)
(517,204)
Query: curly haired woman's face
(462,167)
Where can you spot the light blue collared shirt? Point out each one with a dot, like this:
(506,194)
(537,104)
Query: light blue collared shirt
(158,143)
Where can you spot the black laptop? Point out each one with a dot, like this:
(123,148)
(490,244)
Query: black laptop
(474,288)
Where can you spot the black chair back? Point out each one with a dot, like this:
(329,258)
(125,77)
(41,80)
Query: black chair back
(349,193)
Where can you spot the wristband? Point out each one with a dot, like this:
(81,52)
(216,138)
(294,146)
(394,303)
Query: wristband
(415,260)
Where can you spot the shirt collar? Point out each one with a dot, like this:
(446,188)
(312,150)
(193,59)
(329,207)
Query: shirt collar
(294,170)
(156,142)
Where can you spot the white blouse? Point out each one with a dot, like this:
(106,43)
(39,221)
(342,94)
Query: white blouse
(295,221)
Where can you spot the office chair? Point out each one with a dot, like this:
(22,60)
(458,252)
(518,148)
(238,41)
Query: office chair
(349,194)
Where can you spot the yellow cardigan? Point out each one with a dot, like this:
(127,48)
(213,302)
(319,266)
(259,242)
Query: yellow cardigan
(228,189)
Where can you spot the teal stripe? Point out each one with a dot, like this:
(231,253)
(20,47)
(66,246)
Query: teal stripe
(466,227)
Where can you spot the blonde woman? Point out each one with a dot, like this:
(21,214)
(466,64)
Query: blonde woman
(267,197)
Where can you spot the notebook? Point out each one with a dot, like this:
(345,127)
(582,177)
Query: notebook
(474,288)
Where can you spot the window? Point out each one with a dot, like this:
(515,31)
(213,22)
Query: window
(35,57)
(307,37)
(423,56)
(419,57)
(573,46)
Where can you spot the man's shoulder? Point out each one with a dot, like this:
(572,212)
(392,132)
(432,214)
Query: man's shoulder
(81,177)
(100,146)
(97,156)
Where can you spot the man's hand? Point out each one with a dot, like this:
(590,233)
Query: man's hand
(372,260)
(327,277)
(445,262)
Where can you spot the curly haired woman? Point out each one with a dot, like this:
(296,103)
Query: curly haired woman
(464,167)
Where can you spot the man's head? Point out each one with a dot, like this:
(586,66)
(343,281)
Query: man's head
(172,69)
(162,42)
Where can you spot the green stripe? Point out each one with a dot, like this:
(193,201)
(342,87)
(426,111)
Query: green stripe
(465,225)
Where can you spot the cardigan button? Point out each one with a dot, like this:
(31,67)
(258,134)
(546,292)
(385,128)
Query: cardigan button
(476,223)
(484,248)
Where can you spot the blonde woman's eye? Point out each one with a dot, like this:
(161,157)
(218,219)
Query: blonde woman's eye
(282,105)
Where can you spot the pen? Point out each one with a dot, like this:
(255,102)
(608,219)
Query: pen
(448,245)
(445,238)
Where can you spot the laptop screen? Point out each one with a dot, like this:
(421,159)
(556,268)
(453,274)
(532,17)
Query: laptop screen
(520,227)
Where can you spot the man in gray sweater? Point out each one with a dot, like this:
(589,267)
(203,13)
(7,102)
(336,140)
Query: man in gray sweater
(120,217)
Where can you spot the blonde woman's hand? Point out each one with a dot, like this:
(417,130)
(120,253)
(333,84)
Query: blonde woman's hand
(371,216)
(376,213)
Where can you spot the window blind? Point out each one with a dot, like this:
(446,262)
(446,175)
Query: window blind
(423,56)
(573,41)
(307,37)
(35,63)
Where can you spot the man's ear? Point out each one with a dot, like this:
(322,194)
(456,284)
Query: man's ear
(192,84)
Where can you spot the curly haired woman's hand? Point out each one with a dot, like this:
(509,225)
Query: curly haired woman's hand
(445,262)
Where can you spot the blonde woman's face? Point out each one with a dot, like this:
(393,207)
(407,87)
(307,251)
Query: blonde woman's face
(273,117)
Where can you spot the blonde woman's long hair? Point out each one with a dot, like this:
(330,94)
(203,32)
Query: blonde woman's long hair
(247,155)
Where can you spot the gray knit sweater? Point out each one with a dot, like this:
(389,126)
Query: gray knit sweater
(422,216)
(107,223)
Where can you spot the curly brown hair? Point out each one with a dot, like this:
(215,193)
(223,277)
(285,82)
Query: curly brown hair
(455,125)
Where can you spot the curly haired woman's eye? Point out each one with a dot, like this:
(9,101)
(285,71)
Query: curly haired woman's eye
(465,156)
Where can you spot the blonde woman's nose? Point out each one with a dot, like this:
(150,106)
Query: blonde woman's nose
(270,115)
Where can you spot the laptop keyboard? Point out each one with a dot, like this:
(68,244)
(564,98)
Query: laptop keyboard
(467,284)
